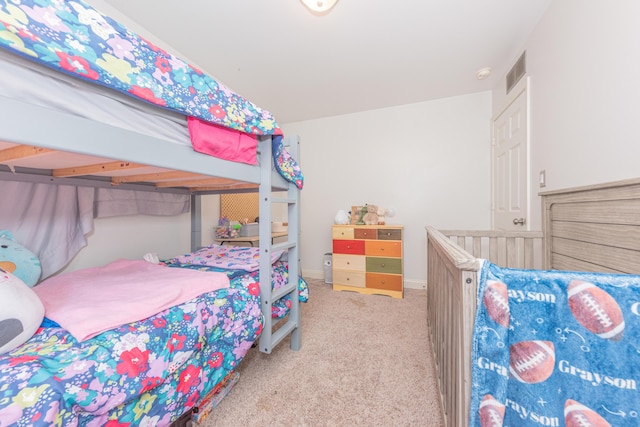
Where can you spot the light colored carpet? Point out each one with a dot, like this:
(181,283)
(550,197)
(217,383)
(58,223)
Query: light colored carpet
(365,361)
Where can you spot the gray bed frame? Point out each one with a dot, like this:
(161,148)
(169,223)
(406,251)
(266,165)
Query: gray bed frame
(32,125)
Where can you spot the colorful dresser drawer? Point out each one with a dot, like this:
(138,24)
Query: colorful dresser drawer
(349,247)
(384,265)
(357,279)
(383,248)
(365,233)
(390,282)
(349,262)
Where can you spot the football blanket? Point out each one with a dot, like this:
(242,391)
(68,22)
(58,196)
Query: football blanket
(556,348)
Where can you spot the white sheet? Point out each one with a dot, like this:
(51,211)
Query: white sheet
(35,84)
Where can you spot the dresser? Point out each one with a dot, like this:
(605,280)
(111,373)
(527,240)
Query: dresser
(368,259)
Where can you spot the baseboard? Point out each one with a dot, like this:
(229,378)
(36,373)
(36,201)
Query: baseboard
(313,274)
(408,284)
(415,284)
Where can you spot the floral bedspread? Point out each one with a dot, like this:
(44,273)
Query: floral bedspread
(143,373)
(226,257)
(279,278)
(74,38)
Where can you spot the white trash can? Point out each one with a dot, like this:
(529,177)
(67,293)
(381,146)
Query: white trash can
(328,260)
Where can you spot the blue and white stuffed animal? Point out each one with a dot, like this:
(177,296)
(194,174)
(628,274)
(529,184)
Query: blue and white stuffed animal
(18,260)
(21,311)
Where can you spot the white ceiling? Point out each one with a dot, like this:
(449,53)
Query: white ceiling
(363,55)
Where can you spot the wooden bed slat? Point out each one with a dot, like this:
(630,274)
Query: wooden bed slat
(604,212)
(625,236)
(604,257)
(562,262)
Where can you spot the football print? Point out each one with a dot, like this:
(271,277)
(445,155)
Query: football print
(491,412)
(596,310)
(578,415)
(532,361)
(496,301)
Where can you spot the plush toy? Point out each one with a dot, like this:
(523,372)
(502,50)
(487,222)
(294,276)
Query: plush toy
(381,215)
(21,312)
(18,260)
(371,217)
(342,217)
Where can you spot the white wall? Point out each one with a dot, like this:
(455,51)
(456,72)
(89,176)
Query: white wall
(585,95)
(429,161)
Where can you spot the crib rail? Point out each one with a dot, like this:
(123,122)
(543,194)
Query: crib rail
(452,280)
(512,249)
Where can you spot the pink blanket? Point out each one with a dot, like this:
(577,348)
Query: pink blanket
(87,302)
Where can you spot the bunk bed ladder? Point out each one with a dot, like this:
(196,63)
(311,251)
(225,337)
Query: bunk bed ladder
(275,331)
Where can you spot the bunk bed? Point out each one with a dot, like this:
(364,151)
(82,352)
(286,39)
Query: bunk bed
(541,328)
(86,102)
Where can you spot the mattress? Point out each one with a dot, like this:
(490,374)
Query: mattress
(35,84)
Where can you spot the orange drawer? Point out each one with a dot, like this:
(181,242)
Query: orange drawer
(383,248)
(348,247)
(349,262)
(349,278)
(389,282)
(365,233)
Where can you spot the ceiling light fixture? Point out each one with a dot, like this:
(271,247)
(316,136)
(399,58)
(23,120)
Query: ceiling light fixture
(319,6)
(483,73)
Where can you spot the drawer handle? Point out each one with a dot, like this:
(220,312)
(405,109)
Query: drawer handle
(382,249)
(388,233)
(382,265)
(348,263)
(348,247)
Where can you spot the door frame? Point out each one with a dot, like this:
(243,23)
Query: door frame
(523,87)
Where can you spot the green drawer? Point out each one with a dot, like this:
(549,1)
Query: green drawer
(384,265)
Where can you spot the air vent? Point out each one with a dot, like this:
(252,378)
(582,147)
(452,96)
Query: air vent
(517,71)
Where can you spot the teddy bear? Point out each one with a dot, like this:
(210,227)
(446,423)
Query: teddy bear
(21,311)
(371,217)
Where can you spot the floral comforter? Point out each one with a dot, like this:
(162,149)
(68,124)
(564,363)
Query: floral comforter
(143,373)
(279,278)
(74,38)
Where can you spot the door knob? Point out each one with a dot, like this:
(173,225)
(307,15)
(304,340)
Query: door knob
(518,221)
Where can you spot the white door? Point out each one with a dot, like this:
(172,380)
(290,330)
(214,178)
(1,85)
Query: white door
(510,159)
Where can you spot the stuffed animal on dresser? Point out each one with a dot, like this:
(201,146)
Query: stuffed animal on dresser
(371,217)
(21,311)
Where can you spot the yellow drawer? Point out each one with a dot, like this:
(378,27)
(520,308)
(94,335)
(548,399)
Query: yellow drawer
(341,233)
(383,248)
(390,282)
(349,278)
(349,262)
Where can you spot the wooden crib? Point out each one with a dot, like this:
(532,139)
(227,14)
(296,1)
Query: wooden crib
(594,228)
